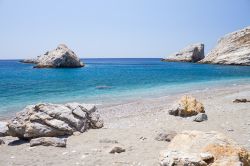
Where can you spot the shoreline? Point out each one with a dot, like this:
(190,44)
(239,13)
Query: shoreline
(134,125)
(149,93)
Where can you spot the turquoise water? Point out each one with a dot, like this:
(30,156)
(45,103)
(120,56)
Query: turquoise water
(107,80)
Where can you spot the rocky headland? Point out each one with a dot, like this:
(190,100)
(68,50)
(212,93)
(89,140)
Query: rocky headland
(191,53)
(61,57)
(232,49)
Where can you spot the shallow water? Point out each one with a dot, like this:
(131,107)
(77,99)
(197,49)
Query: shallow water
(108,80)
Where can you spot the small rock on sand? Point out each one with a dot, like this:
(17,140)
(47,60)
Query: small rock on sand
(117,149)
(200,117)
(49,141)
(106,140)
(165,136)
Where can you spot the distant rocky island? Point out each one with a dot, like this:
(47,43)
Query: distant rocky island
(191,53)
(232,49)
(61,57)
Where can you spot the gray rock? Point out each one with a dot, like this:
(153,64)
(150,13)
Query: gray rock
(166,136)
(4,130)
(192,53)
(53,120)
(110,141)
(117,149)
(241,101)
(232,49)
(2,142)
(61,57)
(48,141)
(200,117)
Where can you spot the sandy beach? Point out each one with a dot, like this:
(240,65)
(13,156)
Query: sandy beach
(134,126)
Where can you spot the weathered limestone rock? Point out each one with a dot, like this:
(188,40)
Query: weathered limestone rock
(49,141)
(53,120)
(4,130)
(187,106)
(232,49)
(192,53)
(203,148)
(61,57)
(166,136)
(200,117)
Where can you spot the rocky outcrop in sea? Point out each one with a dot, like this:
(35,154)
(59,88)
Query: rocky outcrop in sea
(192,53)
(232,49)
(61,57)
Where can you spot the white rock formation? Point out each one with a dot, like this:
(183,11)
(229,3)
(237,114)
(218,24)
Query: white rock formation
(61,57)
(232,49)
(53,120)
(192,53)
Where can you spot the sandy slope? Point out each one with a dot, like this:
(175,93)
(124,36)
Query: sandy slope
(134,125)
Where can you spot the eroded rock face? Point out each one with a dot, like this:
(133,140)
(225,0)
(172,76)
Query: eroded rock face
(202,149)
(61,57)
(192,53)
(52,120)
(187,106)
(232,49)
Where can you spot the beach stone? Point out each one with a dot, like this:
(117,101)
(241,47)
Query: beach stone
(187,106)
(165,136)
(203,148)
(191,53)
(4,130)
(61,57)
(241,101)
(232,49)
(48,141)
(106,140)
(117,149)
(2,142)
(53,120)
(200,117)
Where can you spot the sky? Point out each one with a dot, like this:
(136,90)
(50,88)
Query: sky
(116,28)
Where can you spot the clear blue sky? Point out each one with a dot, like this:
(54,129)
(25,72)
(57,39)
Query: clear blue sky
(116,28)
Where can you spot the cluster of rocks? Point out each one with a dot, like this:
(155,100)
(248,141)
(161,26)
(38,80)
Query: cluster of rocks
(232,49)
(189,106)
(61,57)
(202,149)
(50,124)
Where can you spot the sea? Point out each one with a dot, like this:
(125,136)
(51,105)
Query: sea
(109,80)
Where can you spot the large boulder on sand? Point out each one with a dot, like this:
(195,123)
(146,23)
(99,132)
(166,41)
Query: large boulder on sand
(232,49)
(187,106)
(52,120)
(191,53)
(61,57)
(190,148)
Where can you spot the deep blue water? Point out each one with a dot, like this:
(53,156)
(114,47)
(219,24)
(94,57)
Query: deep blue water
(105,80)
